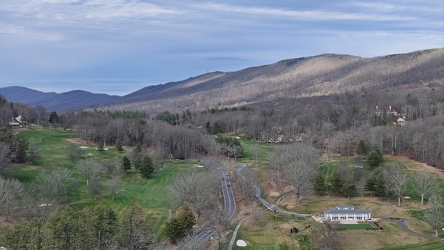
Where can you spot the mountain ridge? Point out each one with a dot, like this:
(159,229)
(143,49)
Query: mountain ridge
(70,100)
(319,75)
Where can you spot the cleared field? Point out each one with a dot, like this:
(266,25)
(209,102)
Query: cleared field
(435,245)
(262,149)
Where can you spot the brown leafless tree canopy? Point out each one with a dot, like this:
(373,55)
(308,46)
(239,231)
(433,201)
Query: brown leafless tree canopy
(296,165)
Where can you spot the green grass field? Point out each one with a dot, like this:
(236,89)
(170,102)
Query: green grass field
(151,193)
(356,226)
(259,242)
(250,153)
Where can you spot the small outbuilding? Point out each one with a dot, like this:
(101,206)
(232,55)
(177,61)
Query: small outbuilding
(347,213)
(400,122)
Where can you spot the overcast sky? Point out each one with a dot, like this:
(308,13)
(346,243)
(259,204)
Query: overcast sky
(120,46)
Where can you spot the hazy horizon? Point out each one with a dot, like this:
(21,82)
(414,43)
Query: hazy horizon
(117,47)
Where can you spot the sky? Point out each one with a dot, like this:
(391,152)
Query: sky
(120,46)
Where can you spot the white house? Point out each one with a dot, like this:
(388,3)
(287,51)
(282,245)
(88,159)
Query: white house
(347,213)
(400,121)
(16,121)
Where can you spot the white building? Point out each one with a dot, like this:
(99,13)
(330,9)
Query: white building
(347,213)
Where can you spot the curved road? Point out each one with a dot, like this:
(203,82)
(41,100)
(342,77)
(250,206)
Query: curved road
(206,230)
(404,227)
(268,205)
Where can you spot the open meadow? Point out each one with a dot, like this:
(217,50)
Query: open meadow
(151,194)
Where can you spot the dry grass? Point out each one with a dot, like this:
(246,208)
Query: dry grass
(392,235)
(418,166)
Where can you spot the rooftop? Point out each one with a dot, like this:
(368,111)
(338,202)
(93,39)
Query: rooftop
(346,210)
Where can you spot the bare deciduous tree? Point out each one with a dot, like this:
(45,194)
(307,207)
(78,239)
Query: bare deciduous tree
(297,166)
(114,186)
(435,213)
(328,236)
(220,224)
(235,151)
(246,184)
(396,182)
(197,190)
(424,184)
(73,152)
(50,183)
(11,192)
(89,168)
(256,148)
(5,156)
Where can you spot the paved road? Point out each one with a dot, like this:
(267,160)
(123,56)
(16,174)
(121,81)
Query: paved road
(233,238)
(268,205)
(206,230)
(404,227)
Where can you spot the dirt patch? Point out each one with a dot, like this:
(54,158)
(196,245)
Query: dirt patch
(274,194)
(77,141)
(4,222)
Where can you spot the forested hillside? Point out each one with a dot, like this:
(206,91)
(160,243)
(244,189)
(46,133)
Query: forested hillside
(292,79)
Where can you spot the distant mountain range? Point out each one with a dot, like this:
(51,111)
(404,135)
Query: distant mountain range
(315,76)
(76,99)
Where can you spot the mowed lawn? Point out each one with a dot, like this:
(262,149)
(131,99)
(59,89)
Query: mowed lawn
(251,148)
(435,245)
(151,193)
(356,226)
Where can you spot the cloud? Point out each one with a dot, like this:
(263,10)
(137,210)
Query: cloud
(44,40)
(400,7)
(310,15)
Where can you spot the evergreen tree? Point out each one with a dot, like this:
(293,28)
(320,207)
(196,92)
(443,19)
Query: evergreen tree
(349,189)
(374,159)
(370,184)
(217,128)
(208,127)
(63,229)
(187,217)
(137,162)
(21,147)
(126,163)
(174,230)
(376,183)
(362,148)
(100,225)
(100,145)
(119,146)
(53,118)
(180,225)
(138,148)
(319,184)
(135,230)
(146,167)
(137,156)
(336,184)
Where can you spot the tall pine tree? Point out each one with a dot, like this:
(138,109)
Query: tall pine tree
(146,168)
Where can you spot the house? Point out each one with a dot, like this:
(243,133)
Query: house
(347,213)
(16,121)
(400,121)
(391,111)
